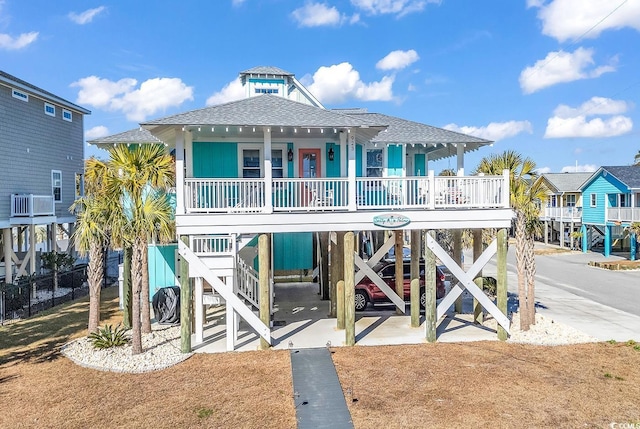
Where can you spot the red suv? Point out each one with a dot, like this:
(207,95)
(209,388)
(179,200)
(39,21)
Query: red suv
(367,292)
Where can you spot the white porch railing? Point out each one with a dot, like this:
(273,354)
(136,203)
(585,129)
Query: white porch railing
(226,195)
(212,245)
(29,205)
(332,194)
(567,213)
(247,283)
(623,214)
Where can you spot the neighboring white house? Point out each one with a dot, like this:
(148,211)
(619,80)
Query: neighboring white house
(41,167)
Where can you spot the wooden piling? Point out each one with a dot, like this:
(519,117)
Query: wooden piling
(415,277)
(349,290)
(430,292)
(340,256)
(186,295)
(264,264)
(399,267)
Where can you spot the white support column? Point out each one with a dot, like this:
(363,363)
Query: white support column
(179,172)
(432,189)
(232,320)
(199,310)
(188,154)
(32,249)
(8,252)
(506,192)
(460,159)
(351,142)
(268,173)
(561,221)
(343,154)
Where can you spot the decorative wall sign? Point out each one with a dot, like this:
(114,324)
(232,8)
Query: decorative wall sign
(391,220)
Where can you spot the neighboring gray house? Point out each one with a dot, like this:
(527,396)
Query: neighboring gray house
(41,167)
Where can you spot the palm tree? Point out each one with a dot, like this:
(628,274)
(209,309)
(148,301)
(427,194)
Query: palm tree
(93,212)
(525,199)
(141,175)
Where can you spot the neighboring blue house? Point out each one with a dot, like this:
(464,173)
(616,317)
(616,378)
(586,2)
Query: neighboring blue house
(611,203)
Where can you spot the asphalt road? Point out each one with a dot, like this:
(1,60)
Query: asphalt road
(571,273)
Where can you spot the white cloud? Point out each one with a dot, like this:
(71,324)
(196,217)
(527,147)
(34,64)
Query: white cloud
(581,127)
(86,16)
(317,15)
(96,132)
(543,170)
(573,19)
(396,60)
(560,67)
(594,106)
(14,43)
(495,130)
(569,122)
(231,92)
(587,168)
(152,96)
(341,82)
(395,7)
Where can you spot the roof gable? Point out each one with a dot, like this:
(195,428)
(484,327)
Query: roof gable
(627,174)
(136,136)
(265,110)
(566,182)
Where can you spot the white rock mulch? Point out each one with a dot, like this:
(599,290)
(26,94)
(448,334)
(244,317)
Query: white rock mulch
(545,332)
(161,349)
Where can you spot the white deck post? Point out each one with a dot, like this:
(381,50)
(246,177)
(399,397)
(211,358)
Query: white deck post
(561,222)
(232,319)
(460,159)
(351,140)
(180,187)
(506,192)
(268,173)
(432,189)
(343,154)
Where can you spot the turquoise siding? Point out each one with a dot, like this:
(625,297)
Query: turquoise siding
(419,164)
(293,251)
(358,160)
(289,163)
(258,80)
(394,161)
(162,266)
(601,186)
(333,167)
(218,160)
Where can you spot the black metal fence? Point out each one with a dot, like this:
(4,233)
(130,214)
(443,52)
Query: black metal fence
(29,295)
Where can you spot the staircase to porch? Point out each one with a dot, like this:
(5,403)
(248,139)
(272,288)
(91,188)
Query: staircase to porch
(213,258)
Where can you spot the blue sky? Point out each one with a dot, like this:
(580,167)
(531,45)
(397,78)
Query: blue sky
(556,80)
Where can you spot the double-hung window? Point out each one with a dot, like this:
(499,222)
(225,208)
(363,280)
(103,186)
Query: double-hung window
(56,185)
(252,164)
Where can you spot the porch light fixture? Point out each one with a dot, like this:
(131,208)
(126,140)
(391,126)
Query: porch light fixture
(331,154)
(290,155)
(239,129)
(308,130)
(321,130)
(254,129)
(226,129)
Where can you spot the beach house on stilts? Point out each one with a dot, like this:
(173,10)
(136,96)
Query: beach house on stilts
(257,179)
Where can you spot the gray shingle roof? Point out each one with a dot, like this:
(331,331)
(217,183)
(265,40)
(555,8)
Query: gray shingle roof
(566,182)
(137,136)
(266,110)
(266,70)
(21,84)
(404,131)
(627,174)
